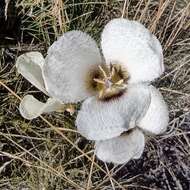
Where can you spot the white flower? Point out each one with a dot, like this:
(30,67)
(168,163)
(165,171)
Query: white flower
(120,104)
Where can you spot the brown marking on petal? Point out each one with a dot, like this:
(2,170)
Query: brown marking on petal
(107,97)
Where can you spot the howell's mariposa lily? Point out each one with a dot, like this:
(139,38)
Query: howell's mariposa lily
(120,105)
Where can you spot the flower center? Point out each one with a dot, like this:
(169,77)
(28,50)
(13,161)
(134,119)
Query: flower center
(108,81)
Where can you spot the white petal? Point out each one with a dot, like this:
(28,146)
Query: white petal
(30,66)
(67,64)
(100,120)
(121,149)
(31,108)
(156,119)
(131,44)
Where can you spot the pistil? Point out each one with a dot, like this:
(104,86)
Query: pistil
(107,81)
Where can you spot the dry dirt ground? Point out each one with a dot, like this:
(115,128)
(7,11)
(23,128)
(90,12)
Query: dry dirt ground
(47,153)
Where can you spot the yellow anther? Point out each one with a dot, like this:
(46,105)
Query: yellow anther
(103,72)
(99,81)
(101,93)
(119,82)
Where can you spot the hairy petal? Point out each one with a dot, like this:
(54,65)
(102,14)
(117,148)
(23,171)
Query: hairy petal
(156,118)
(31,108)
(67,64)
(30,66)
(132,45)
(100,120)
(121,149)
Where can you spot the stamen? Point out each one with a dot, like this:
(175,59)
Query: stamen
(99,81)
(103,72)
(119,82)
(112,71)
(108,81)
(101,94)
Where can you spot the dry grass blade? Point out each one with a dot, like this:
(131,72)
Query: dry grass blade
(48,153)
(109,175)
(89,183)
(49,167)
(60,133)
(124,7)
